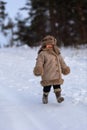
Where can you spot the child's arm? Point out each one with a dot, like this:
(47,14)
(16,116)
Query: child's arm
(65,69)
(38,69)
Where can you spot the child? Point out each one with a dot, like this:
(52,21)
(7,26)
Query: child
(50,66)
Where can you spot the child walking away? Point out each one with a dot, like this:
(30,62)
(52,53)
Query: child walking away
(50,65)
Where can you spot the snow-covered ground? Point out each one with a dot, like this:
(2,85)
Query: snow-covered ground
(21,105)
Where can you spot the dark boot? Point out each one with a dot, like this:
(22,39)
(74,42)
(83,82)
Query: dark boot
(45,98)
(58,95)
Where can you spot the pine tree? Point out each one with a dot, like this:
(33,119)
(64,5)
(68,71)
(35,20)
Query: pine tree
(2,14)
(64,19)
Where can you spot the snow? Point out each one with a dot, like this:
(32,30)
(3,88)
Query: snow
(21,105)
(4,40)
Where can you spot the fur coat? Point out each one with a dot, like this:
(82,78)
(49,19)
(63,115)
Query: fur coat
(50,65)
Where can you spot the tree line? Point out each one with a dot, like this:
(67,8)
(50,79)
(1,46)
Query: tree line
(64,19)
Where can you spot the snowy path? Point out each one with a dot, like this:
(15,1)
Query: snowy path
(20,95)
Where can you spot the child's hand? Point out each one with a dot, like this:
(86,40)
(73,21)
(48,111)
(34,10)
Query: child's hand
(66,70)
(37,71)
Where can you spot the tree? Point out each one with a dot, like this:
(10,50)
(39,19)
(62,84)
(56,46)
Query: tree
(37,19)
(66,20)
(2,14)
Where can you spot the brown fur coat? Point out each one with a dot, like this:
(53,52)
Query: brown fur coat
(50,66)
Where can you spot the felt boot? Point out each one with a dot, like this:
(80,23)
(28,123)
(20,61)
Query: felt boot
(58,95)
(45,98)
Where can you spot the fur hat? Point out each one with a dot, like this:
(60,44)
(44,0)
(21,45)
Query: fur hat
(49,40)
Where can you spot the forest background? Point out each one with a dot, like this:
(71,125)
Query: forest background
(64,19)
